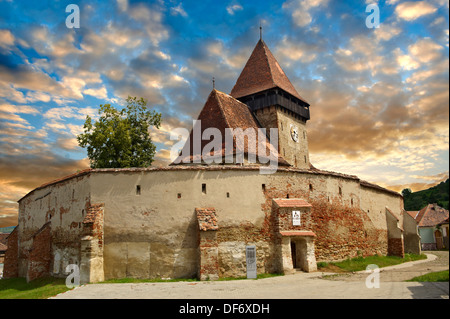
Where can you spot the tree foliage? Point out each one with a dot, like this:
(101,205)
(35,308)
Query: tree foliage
(121,139)
(417,200)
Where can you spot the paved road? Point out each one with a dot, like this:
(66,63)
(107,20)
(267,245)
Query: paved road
(297,286)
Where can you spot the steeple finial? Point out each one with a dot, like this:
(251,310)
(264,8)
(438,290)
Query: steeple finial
(214,83)
(260,31)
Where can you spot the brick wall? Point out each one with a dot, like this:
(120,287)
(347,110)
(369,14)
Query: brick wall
(40,256)
(10,268)
(396,247)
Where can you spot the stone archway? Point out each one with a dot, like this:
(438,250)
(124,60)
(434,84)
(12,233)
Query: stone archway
(297,251)
(297,242)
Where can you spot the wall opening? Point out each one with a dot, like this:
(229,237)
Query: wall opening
(228,195)
(138,189)
(204,188)
(263,187)
(294,254)
(179,195)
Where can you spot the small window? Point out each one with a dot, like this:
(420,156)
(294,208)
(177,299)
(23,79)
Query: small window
(179,195)
(310,187)
(351,201)
(228,195)
(287,196)
(304,135)
(340,191)
(305,159)
(264,188)
(138,189)
(204,188)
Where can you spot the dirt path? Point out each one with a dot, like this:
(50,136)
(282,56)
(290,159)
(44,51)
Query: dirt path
(437,261)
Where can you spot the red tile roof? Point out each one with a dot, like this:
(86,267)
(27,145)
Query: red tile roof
(292,202)
(431,215)
(207,218)
(297,233)
(222,111)
(413,213)
(262,72)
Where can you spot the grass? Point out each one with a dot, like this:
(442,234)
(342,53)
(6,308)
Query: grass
(439,276)
(42,288)
(136,280)
(360,263)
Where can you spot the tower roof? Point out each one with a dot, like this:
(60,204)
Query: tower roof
(262,72)
(222,111)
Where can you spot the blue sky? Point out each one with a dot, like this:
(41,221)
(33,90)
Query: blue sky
(379,97)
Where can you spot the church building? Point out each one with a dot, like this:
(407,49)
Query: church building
(197,217)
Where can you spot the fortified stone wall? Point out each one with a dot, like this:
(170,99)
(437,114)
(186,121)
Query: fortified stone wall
(147,225)
(61,205)
(151,228)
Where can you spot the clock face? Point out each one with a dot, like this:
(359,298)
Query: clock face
(294,133)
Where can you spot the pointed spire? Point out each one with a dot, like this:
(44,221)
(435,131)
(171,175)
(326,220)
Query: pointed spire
(260,73)
(214,83)
(260,31)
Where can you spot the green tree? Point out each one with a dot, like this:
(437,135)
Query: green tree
(121,138)
(406,192)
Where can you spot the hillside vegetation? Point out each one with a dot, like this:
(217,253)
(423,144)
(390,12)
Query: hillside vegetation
(417,200)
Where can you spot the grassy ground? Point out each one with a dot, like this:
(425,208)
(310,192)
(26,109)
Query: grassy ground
(360,263)
(439,276)
(135,280)
(42,288)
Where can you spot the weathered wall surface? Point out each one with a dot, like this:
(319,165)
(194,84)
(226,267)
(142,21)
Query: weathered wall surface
(10,269)
(153,232)
(64,205)
(153,213)
(149,226)
(411,238)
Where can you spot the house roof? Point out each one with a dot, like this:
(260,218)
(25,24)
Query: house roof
(3,247)
(207,218)
(222,111)
(431,215)
(413,213)
(262,72)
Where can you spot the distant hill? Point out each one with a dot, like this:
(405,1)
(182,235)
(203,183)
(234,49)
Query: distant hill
(6,230)
(437,194)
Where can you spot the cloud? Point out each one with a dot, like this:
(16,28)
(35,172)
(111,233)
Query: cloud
(425,50)
(6,38)
(178,10)
(410,10)
(296,51)
(301,10)
(99,93)
(232,8)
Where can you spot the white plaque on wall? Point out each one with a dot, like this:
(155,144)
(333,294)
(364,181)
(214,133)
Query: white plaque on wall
(250,254)
(296,218)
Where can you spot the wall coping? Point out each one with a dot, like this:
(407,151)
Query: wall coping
(313,171)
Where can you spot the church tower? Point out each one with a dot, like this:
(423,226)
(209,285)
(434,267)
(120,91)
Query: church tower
(274,101)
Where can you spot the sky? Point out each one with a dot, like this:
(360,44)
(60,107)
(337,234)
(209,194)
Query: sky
(379,96)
